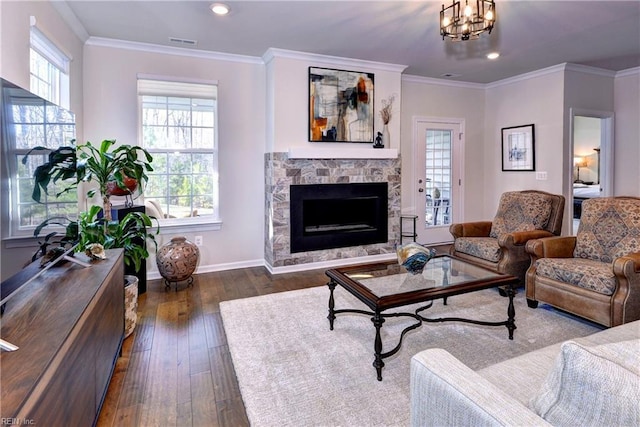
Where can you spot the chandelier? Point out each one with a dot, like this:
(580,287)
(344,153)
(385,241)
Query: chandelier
(469,22)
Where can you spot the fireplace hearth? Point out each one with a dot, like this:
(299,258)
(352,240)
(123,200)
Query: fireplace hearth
(328,216)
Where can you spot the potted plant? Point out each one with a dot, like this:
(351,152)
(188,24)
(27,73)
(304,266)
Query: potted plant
(109,167)
(93,234)
(116,171)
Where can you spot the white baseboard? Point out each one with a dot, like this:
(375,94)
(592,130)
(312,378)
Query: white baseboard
(155,274)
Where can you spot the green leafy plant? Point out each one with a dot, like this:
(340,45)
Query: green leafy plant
(101,164)
(128,233)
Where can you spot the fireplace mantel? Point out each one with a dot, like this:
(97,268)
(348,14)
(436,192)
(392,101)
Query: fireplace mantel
(342,153)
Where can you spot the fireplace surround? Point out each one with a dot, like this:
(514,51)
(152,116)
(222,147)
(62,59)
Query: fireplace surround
(281,172)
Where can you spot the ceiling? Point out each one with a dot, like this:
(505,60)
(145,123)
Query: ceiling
(530,35)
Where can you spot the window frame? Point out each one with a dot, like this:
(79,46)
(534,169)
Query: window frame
(153,85)
(57,63)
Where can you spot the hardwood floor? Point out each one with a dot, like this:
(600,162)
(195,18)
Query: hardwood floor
(175,368)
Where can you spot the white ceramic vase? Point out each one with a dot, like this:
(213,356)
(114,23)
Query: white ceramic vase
(386,140)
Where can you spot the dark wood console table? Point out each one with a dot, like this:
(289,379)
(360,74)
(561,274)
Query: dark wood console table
(69,325)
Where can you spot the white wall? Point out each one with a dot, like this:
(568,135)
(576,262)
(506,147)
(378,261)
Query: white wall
(288,96)
(431,98)
(535,98)
(627,133)
(111,111)
(14,66)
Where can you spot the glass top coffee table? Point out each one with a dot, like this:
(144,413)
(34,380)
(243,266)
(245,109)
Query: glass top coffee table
(386,285)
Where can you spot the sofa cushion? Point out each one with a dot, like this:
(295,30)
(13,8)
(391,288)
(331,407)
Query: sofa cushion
(486,248)
(592,386)
(593,275)
(609,228)
(521,212)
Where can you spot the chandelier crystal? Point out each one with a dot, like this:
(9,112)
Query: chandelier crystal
(468,22)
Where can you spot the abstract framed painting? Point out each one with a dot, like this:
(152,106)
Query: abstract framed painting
(340,105)
(518,148)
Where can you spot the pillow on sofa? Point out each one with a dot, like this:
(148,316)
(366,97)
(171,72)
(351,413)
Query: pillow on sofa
(597,385)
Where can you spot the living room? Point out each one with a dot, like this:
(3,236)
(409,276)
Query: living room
(264,110)
(104,99)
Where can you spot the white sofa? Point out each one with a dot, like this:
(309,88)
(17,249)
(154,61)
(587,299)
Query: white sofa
(550,386)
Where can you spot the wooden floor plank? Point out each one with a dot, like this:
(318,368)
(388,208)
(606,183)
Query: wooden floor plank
(203,401)
(160,395)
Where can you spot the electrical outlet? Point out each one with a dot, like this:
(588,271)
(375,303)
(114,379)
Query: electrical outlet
(198,240)
(541,176)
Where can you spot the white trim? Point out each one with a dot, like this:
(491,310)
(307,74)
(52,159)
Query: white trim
(527,76)
(441,82)
(170,50)
(45,46)
(177,79)
(71,19)
(333,61)
(155,274)
(589,70)
(607,147)
(628,72)
(343,153)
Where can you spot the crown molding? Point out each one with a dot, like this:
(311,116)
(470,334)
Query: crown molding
(441,82)
(628,72)
(170,50)
(71,19)
(334,61)
(589,70)
(526,76)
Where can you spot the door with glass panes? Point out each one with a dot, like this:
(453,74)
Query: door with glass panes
(438,148)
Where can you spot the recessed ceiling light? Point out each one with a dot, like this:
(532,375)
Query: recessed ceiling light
(220,8)
(493,55)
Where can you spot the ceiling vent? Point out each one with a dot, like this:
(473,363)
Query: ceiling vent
(184,42)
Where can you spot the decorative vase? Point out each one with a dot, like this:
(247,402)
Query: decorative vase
(413,256)
(130,304)
(177,260)
(386,139)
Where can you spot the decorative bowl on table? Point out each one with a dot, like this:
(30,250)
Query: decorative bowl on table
(414,256)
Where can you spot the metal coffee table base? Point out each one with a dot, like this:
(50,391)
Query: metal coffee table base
(379,318)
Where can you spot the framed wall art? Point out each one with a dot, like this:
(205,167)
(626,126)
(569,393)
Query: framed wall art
(340,105)
(518,148)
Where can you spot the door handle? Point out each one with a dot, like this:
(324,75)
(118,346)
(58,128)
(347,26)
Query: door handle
(420,190)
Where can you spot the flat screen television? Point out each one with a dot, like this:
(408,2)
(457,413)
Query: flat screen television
(27,121)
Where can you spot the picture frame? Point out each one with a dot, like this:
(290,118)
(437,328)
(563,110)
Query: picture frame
(518,148)
(341,106)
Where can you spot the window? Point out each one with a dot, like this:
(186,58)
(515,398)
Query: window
(30,121)
(179,129)
(49,68)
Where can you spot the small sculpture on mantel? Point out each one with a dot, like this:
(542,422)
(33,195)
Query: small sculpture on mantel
(378,143)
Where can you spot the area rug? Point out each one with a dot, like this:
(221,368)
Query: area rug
(293,371)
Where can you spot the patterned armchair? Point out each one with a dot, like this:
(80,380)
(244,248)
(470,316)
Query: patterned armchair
(499,245)
(595,274)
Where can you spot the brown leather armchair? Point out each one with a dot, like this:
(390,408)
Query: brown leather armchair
(499,245)
(595,274)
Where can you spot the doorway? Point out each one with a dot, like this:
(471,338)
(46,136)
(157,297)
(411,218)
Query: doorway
(591,160)
(438,147)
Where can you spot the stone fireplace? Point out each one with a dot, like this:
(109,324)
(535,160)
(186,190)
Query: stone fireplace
(282,172)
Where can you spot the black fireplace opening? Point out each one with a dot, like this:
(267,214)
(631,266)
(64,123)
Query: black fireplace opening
(327,216)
